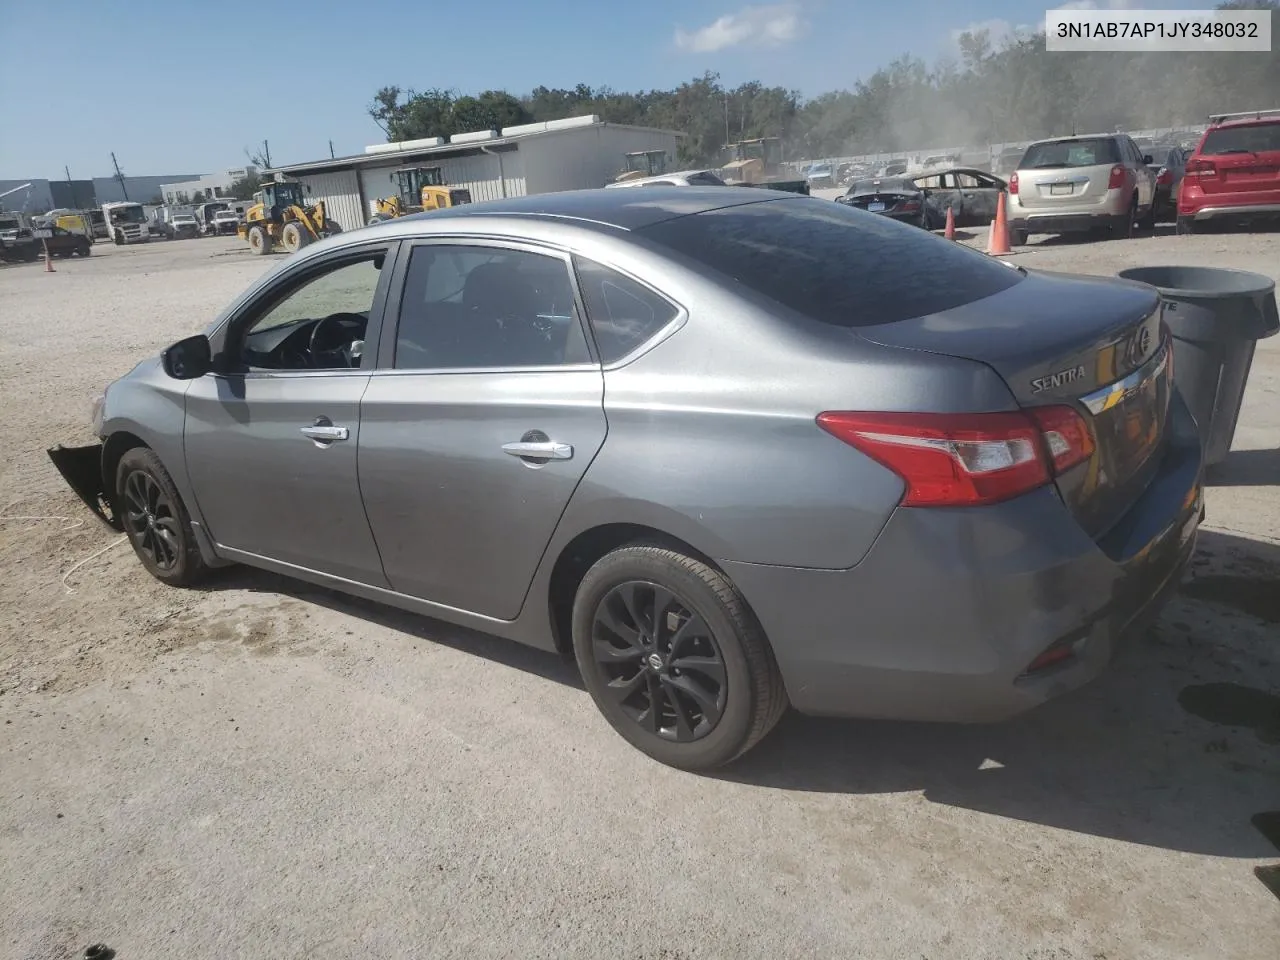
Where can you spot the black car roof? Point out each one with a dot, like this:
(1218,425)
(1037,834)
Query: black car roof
(625,209)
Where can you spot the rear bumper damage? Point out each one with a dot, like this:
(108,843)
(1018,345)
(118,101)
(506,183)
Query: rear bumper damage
(976,615)
(81,468)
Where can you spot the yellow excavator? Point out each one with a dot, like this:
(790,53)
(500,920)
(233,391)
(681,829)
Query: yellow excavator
(282,216)
(641,164)
(417,189)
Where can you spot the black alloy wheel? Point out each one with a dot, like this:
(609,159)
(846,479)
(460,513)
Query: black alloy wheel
(151,520)
(156,520)
(673,657)
(660,661)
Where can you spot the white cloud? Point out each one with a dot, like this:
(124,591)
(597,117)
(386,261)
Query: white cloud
(1094,5)
(999,30)
(767,26)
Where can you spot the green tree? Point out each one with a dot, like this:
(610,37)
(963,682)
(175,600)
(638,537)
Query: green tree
(245,187)
(989,91)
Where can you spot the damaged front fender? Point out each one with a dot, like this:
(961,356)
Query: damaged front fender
(81,467)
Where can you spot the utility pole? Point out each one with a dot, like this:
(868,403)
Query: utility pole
(266,153)
(331,156)
(119,175)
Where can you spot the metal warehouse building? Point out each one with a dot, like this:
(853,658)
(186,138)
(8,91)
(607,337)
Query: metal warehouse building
(571,154)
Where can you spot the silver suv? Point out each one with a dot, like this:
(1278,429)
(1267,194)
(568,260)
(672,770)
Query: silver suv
(1071,184)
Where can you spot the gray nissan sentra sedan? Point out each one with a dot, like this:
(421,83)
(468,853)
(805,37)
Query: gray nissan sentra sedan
(736,449)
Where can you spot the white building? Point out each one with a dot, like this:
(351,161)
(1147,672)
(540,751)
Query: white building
(571,154)
(210,186)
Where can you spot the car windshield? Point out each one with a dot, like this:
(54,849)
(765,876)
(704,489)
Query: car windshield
(1090,152)
(798,253)
(128,215)
(1255,138)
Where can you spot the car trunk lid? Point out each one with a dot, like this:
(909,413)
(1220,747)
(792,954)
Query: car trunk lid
(1240,159)
(1061,172)
(1094,345)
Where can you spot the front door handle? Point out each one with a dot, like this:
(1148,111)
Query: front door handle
(545,450)
(323,432)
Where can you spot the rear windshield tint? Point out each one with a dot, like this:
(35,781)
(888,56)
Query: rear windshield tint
(881,186)
(1092,152)
(1260,138)
(834,263)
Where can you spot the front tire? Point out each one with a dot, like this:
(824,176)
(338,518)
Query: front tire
(674,658)
(259,241)
(294,236)
(156,520)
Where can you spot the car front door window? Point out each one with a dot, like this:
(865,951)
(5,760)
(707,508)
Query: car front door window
(319,324)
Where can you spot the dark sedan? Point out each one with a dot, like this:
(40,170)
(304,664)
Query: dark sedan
(1169,166)
(895,197)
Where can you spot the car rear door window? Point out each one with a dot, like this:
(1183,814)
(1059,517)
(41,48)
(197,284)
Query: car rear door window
(473,306)
(623,312)
(834,263)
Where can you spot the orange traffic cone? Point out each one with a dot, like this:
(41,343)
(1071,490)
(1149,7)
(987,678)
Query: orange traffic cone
(950,231)
(998,238)
(48,260)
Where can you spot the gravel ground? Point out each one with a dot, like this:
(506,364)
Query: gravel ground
(264,769)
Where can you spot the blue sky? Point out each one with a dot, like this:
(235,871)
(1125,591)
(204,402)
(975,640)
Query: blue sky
(184,87)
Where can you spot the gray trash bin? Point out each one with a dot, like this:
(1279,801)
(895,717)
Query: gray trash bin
(1216,318)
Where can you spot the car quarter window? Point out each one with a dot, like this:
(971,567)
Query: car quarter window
(474,306)
(320,322)
(623,312)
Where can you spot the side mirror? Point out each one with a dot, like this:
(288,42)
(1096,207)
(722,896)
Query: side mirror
(1146,158)
(188,359)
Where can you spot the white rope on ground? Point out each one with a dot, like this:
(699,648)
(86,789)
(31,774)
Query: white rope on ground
(69,523)
(93,556)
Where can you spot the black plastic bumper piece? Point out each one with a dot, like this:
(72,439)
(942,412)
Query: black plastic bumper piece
(81,467)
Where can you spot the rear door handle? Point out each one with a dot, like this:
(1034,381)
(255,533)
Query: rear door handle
(547,450)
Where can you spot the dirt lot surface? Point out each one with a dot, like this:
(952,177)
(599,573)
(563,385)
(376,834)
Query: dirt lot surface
(263,769)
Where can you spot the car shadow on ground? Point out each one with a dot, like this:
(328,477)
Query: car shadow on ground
(1246,468)
(1177,745)
(549,666)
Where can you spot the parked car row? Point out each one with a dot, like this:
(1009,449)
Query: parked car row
(1104,184)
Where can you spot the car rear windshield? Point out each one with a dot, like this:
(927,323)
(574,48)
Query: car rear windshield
(1092,152)
(1256,138)
(834,263)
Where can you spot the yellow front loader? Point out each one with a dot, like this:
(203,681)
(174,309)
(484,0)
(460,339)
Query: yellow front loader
(417,189)
(282,217)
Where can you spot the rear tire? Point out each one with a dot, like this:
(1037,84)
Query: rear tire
(650,625)
(1186,226)
(259,241)
(1017,238)
(156,520)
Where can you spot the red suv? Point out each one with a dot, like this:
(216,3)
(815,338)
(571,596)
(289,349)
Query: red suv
(1234,171)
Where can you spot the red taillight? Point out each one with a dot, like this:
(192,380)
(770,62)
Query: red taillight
(1116,181)
(1199,167)
(1066,436)
(949,460)
(1013,183)
(1164,177)
(906,206)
